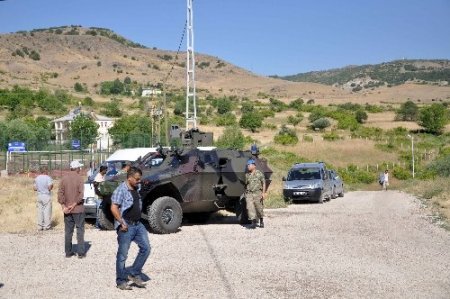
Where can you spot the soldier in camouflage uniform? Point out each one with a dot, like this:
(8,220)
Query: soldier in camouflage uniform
(255,187)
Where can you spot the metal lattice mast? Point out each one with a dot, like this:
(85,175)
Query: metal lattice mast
(191,106)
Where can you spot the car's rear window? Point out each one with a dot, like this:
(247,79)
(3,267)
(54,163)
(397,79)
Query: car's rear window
(304,174)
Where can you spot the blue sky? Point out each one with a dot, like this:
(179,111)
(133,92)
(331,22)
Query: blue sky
(267,37)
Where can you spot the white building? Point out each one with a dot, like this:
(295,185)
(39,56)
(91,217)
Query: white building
(62,126)
(146,92)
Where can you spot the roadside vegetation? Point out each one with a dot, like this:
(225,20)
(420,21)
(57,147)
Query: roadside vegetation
(287,132)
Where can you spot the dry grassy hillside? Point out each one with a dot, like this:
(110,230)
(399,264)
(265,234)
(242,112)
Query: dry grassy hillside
(87,59)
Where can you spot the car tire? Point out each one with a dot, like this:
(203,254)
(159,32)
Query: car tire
(165,215)
(342,193)
(105,218)
(333,193)
(321,198)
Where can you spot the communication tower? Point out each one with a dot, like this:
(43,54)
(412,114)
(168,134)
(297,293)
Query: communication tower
(191,106)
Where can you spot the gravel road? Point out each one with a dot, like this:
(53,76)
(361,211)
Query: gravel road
(365,245)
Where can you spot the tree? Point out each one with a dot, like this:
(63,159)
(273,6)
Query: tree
(132,131)
(361,116)
(408,112)
(18,130)
(297,104)
(294,120)
(127,80)
(78,87)
(84,129)
(247,107)
(320,123)
(232,138)
(112,109)
(251,121)
(433,118)
(223,105)
(286,136)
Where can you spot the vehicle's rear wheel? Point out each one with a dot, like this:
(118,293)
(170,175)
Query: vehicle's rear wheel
(333,193)
(165,215)
(105,218)
(342,193)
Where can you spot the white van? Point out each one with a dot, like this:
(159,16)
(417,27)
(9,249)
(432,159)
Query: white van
(114,163)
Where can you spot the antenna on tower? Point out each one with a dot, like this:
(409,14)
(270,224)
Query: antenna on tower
(191,106)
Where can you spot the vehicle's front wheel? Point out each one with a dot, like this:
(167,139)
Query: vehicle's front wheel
(165,215)
(105,218)
(321,198)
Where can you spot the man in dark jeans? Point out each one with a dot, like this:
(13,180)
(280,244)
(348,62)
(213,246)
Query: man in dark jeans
(70,196)
(126,207)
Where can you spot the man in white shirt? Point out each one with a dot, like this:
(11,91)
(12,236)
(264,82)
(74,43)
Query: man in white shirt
(43,184)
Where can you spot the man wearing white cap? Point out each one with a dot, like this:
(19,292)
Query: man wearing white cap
(70,196)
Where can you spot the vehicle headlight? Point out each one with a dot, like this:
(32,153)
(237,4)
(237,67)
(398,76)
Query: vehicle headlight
(314,186)
(90,201)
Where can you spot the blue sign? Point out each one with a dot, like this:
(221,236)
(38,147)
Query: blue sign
(16,146)
(76,144)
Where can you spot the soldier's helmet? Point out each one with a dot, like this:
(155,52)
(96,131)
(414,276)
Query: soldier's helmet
(250,162)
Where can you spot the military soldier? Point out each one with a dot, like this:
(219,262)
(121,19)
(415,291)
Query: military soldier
(255,188)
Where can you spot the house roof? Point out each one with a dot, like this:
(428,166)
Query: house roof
(77,111)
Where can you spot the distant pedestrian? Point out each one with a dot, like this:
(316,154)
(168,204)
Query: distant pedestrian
(126,208)
(43,184)
(386,180)
(125,167)
(70,196)
(255,188)
(99,178)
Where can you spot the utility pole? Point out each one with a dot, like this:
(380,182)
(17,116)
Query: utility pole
(412,153)
(191,107)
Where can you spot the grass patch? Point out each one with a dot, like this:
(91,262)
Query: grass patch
(18,205)
(434,194)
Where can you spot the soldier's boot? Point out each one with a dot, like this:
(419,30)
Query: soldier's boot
(253,225)
(261,223)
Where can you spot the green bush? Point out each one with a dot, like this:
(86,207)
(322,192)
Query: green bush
(78,87)
(331,136)
(401,173)
(320,123)
(35,55)
(251,121)
(227,119)
(361,116)
(353,175)
(286,136)
(280,159)
(367,132)
(232,137)
(308,138)
(440,166)
(267,113)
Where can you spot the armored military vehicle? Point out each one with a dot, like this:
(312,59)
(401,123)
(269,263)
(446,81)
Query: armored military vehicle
(190,183)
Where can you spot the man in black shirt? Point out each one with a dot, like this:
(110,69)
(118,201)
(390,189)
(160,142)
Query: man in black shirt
(126,208)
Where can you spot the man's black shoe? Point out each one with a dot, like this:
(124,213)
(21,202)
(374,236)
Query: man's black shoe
(70,254)
(261,223)
(81,255)
(124,286)
(253,225)
(137,281)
